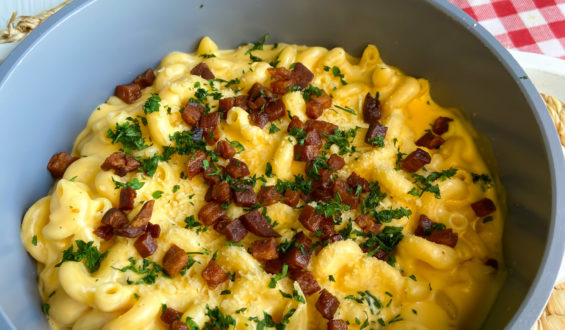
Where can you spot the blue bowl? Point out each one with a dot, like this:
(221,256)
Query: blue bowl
(54,79)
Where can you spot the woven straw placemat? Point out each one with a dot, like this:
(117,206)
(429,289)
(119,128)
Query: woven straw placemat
(552,318)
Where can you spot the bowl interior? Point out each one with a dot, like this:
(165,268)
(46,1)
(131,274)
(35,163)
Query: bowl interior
(53,81)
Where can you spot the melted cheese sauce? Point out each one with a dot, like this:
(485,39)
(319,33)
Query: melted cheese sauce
(431,286)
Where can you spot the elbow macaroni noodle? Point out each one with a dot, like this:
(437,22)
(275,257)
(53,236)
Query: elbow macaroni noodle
(431,286)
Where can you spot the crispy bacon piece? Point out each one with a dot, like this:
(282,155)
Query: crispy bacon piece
(203,70)
(226,104)
(306,280)
(220,192)
(257,104)
(281,86)
(443,236)
(127,198)
(174,260)
(233,230)
(310,219)
(121,163)
(306,152)
(342,188)
(279,73)
(211,136)
(105,232)
(128,93)
(355,180)
(145,245)
(170,315)
(209,121)
(483,207)
(213,174)
(192,113)
(259,119)
(336,162)
(291,198)
(115,218)
(237,168)
(375,130)
(258,90)
(302,239)
(325,181)
(371,109)
(195,166)
(430,141)
(317,104)
(178,325)
(295,123)
(154,230)
(269,195)
(297,257)
(273,266)
(256,223)
(225,149)
(301,75)
(323,127)
(337,325)
(441,125)
(265,249)
(328,230)
(210,213)
(327,304)
(320,193)
(145,79)
(424,225)
(244,195)
(214,274)
(58,164)
(138,225)
(275,110)
(416,160)
(368,224)
(313,138)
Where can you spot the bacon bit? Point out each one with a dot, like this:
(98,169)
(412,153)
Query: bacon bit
(483,207)
(295,123)
(179,325)
(256,223)
(306,152)
(291,198)
(269,195)
(128,93)
(313,138)
(154,230)
(279,73)
(355,180)
(170,315)
(144,215)
(58,164)
(214,274)
(301,75)
(174,260)
(375,129)
(342,189)
(211,175)
(306,280)
(145,79)
(259,119)
(244,195)
(237,168)
(127,198)
(371,109)
(121,163)
(281,87)
(225,149)
(275,110)
(265,249)
(220,192)
(226,104)
(441,125)
(233,230)
(327,304)
(257,104)
(323,127)
(114,218)
(203,70)
(424,224)
(310,219)
(336,162)
(145,245)
(258,90)
(195,165)
(209,121)
(337,325)
(416,160)
(443,236)
(294,257)
(430,141)
(192,113)
(317,104)
(368,224)
(210,213)
(106,232)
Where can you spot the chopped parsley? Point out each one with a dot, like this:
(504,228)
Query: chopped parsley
(317,164)
(332,208)
(207,55)
(191,223)
(176,188)
(133,183)
(232,82)
(152,104)
(273,128)
(488,219)
(268,322)
(373,200)
(386,216)
(149,269)
(34,240)
(377,141)
(413,277)
(386,241)
(337,73)
(399,157)
(269,170)
(73,178)
(299,184)
(425,183)
(342,139)
(149,165)
(217,320)
(237,145)
(483,180)
(128,134)
(367,297)
(257,46)
(278,277)
(331,278)
(346,109)
(299,134)
(311,90)
(157,194)
(187,142)
(85,251)
(45,308)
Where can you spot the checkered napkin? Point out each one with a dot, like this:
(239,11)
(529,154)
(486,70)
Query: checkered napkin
(535,26)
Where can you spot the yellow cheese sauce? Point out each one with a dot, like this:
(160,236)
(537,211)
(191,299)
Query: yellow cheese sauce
(425,286)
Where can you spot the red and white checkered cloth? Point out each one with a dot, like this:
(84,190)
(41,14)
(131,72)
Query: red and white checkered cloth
(536,26)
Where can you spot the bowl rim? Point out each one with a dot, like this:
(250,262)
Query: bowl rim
(542,285)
